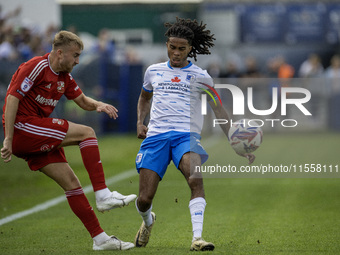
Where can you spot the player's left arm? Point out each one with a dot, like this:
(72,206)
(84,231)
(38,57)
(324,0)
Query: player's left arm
(90,104)
(221,113)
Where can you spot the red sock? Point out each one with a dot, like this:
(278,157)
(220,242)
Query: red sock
(90,153)
(82,208)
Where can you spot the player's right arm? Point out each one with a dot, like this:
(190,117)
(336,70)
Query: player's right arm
(12,104)
(143,109)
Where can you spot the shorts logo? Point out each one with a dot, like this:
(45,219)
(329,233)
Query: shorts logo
(26,85)
(199,143)
(139,157)
(58,121)
(61,86)
(46,148)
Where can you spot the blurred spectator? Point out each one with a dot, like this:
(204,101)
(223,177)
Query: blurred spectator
(272,68)
(278,68)
(311,67)
(251,68)
(214,70)
(47,39)
(7,49)
(24,44)
(4,17)
(131,56)
(7,41)
(282,73)
(231,70)
(105,45)
(333,73)
(285,71)
(73,29)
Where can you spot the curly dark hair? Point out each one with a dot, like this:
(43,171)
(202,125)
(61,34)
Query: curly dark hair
(196,33)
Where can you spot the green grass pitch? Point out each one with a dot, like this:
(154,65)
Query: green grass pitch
(244,215)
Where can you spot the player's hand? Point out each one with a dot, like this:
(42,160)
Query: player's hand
(141,131)
(251,157)
(108,109)
(6,151)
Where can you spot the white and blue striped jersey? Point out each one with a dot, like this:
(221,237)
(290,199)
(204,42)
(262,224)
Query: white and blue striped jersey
(176,104)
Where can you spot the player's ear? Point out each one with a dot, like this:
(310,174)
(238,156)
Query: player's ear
(59,52)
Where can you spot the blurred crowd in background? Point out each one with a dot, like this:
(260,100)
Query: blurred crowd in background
(21,43)
(102,73)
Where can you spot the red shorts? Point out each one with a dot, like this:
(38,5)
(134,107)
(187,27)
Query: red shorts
(37,139)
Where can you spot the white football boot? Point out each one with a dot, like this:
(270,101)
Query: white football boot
(113,244)
(114,201)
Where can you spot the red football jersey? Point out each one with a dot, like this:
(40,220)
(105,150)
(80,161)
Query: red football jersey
(39,88)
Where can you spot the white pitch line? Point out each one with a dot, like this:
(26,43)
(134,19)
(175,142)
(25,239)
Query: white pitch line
(52,202)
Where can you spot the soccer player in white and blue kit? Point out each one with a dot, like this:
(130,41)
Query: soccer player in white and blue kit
(175,124)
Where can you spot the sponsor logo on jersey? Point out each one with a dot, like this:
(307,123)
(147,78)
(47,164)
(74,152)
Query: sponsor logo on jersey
(176,79)
(61,86)
(48,86)
(26,85)
(45,101)
(58,121)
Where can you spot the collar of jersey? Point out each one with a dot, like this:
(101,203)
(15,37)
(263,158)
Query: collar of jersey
(187,66)
(48,59)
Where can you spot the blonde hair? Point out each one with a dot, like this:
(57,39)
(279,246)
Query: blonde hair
(66,38)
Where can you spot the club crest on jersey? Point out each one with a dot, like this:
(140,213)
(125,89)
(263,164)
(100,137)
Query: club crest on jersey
(176,79)
(61,86)
(139,157)
(26,85)
(191,77)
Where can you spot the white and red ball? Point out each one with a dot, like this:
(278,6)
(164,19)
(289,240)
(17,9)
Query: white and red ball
(245,136)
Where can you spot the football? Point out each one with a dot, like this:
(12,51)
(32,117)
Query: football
(245,136)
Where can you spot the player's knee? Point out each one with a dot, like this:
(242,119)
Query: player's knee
(144,202)
(88,132)
(71,183)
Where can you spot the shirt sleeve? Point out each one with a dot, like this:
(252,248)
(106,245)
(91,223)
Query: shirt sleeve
(147,85)
(21,84)
(208,79)
(72,90)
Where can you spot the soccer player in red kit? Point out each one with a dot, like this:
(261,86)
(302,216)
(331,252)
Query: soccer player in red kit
(32,95)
